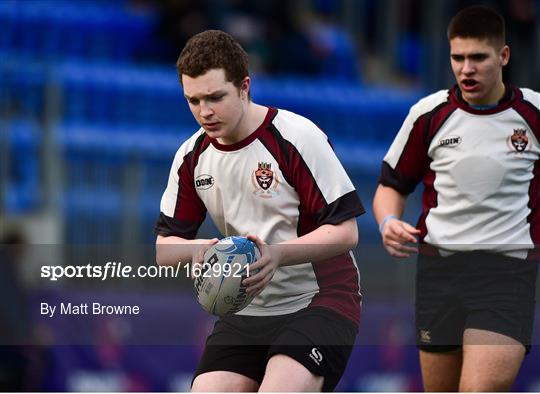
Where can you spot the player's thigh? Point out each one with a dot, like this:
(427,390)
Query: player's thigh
(491,361)
(318,339)
(286,374)
(223,381)
(230,348)
(441,370)
(501,300)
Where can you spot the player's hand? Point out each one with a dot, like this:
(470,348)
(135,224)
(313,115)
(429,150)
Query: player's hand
(197,256)
(397,235)
(264,268)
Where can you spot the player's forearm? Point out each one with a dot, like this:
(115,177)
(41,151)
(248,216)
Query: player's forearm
(175,250)
(323,243)
(387,201)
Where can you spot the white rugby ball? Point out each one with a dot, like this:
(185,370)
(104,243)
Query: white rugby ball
(218,285)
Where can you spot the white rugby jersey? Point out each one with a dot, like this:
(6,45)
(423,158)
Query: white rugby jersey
(281,182)
(480,169)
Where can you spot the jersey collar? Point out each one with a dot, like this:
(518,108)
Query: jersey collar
(250,138)
(510,95)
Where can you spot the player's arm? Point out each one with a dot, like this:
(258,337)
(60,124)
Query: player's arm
(403,167)
(388,206)
(323,243)
(182,213)
(328,240)
(173,250)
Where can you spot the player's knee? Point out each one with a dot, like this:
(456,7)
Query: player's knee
(284,373)
(484,384)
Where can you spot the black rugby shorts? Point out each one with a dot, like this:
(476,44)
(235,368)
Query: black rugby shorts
(480,290)
(318,338)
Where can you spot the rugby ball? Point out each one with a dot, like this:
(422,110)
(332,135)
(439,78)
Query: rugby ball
(218,284)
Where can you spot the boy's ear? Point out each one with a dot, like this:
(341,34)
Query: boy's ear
(504,55)
(244,87)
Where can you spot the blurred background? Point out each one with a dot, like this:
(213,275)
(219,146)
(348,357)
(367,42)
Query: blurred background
(91,114)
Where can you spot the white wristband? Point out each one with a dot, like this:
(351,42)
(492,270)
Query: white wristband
(381,226)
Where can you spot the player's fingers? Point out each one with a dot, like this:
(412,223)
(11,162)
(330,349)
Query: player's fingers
(406,236)
(264,274)
(200,255)
(250,280)
(196,263)
(397,249)
(398,229)
(394,238)
(409,249)
(255,288)
(259,242)
(394,253)
(410,229)
(261,245)
(260,285)
(259,264)
(195,269)
(253,237)
(402,247)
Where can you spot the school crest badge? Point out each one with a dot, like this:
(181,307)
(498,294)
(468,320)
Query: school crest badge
(519,140)
(265,181)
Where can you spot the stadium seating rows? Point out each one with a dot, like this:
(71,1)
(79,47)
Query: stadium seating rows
(59,28)
(68,70)
(109,115)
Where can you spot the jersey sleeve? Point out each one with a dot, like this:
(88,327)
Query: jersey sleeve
(326,194)
(182,211)
(325,190)
(407,160)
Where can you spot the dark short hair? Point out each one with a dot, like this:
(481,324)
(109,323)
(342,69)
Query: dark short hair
(478,22)
(213,49)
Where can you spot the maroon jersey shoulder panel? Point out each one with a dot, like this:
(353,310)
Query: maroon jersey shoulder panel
(529,113)
(294,169)
(414,161)
(189,212)
(314,210)
(189,206)
(534,206)
(429,201)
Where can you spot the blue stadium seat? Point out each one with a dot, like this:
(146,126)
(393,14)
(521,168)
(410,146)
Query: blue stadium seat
(60,28)
(25,181)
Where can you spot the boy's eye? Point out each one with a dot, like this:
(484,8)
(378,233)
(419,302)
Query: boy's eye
(479,57)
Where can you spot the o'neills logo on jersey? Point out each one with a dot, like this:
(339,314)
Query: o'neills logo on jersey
(203,182)
(519,140)
(264,180)
(450,141)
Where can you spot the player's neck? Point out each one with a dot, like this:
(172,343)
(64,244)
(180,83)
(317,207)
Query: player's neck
(492,98)
(253,117)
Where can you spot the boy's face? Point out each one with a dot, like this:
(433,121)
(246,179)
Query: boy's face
(217,105)
(477,67)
